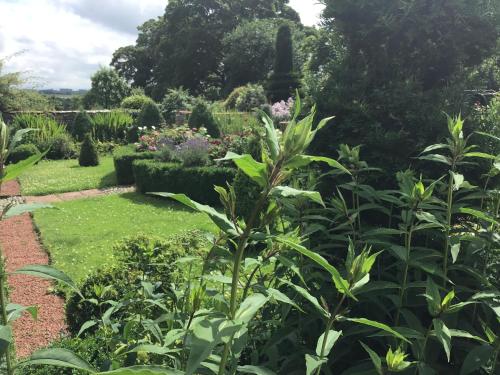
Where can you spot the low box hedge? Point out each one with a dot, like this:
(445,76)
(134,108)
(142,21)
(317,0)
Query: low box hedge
(123,158)
(196,182)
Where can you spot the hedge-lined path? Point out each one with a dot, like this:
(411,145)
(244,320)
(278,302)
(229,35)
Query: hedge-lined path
(21,247)
(54,198)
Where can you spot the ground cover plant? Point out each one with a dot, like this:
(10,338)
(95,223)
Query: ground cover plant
(59,176)
(79,235)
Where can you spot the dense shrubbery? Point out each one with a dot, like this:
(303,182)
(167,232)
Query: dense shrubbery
(135,101)
(150,116)
(246,98)
(123,158)
(22,152)
(111,126)
(154,176)
(82,124)
(201,117)
(89,157)
(175,100)
(45,129)
(61,146)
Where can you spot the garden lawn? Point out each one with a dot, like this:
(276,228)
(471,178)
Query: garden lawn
(60,176)
(79,235)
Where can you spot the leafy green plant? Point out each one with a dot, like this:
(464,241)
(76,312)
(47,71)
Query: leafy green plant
(150,116)
(111,126)
(201,117)
(22,152)
(45,129)
(82,124)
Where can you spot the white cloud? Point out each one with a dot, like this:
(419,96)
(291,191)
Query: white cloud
(65,41)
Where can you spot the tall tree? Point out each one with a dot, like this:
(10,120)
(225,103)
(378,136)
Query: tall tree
(284,81)
(108,89)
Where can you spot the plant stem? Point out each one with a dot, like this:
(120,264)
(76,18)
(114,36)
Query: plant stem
(3,303)
(329,326)
(405,274)
(448,227)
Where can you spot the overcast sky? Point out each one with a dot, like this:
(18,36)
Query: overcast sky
(64,41)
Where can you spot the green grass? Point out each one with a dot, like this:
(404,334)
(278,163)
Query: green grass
(79,235)
(60,176)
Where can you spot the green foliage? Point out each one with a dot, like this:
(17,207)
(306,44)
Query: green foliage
(136,101)
(82,124)
(233,122)
(153,176)
(247,192)
(201,117)
(251,98)
(107,90)
(59,147)
(284,81)
(123,158)
(45,129)
(150,116)
(89,156)
(22,152)
(175,100)
(111,126)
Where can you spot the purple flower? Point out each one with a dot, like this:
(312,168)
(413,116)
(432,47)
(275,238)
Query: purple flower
(281,111)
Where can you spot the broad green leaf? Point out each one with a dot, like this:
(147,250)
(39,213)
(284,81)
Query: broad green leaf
(249,307)
(257,370)
(340,283)
(150,348)
(476,358)
(479,215)
(289,192)
(247,164)
(304,160)
(18,137)
(443,335)
(58,357)
(377,362)
(458,180)
(219,219)
(12,171)
(436,158)
(143,370)
(481,155)
(378,325)
(24,208)
(313,300)
(271,137)
(433,297)
(85,326)
(281,297)
(437,146)
(15,311)
(313,362)
(207,334)
(47,272)
(455,250)
(332,338)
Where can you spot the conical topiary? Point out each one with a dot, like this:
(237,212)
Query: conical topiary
(150,115)
(82,124)
(88,153)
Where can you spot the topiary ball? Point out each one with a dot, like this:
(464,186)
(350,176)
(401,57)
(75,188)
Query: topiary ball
(88,153)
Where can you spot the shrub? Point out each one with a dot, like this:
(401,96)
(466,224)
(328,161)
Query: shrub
(193,152)
(60,147)
(82,124)
(22,152)
(111,126)
(45,128)
(202,117)
(150,116)
(88,153)
(196,182)
(136,101)
(123,158)
(251,98)
(110,283)
(230,102)
(175,100)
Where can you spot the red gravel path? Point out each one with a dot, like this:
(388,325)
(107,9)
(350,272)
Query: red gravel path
(10,188)
(21,247)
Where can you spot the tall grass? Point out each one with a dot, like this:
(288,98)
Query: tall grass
(111,126)
(235,122)
(45,128)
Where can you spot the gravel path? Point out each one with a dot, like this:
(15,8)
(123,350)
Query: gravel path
(21,247)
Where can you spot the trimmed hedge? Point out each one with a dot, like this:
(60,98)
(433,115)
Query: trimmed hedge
(196,182)
(123,158)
